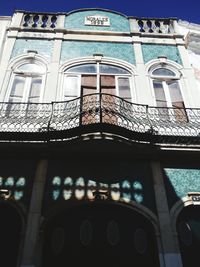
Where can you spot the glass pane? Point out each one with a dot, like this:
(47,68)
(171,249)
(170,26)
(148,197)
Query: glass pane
(58,240)
(159,94)
(175,92)
(177,101)
(88,84)
(113,234)
(87,68)
(86,232)
(32,68)
(185,233)
(71,87)
(112,69)
(34,94)
(140,241)
(163,72)
(17,89)
(107,84)
(124,88)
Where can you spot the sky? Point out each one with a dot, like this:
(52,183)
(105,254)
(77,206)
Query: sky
(181,9)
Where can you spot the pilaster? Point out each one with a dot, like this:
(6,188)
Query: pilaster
(53,70)
(34,216)
(170,253)
(142,86)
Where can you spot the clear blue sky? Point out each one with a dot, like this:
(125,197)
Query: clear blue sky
(181,9)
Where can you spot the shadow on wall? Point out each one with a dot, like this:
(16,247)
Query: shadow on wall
(10,233)
(178,182)
(90,179)
(99,234)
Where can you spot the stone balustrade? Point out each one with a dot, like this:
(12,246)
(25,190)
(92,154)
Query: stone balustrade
(39,21)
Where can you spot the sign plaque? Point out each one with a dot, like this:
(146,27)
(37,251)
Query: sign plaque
(97,21)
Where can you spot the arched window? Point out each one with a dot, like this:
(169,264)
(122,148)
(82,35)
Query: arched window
(93,78)
(27,83)
(167,92)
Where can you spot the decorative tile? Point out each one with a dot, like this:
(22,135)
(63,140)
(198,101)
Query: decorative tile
(43,47)
(181,181)
(152,51)
(77,49)
(76,21)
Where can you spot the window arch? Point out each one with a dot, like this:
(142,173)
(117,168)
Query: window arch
(167,91)
(27,82)
(84,79)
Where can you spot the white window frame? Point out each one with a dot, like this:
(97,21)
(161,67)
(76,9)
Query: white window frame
(66,75)
(97,74)
(28,78)
(164,80)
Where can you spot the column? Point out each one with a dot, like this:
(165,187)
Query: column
(170,250)
(34,216)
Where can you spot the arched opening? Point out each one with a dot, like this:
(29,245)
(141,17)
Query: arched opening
(99,234)
(94,78)
(167,92)
(10,235)
(27,82)
(188,228)
(99,91)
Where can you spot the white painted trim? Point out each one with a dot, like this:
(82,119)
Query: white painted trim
(17,62)
(104,60)
(24,58)
(170,63)
(177,208)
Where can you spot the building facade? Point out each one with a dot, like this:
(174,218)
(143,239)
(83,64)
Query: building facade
(99,139)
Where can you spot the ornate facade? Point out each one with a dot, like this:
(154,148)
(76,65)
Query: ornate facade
(99,140)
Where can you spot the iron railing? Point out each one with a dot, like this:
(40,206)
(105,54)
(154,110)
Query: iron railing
(99,109)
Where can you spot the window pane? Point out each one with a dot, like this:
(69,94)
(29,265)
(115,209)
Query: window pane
(17,89)
(177,101)
(71,87)
(108,84)
(32,68)
(175,92)
(163,72)
(88,84)
(112,69)
(124,88)
(34,94)
(159,94)
(89,68)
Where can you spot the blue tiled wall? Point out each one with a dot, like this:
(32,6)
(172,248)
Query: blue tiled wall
(181,181)
(76,21)
(152,51)
(43,47)
(76,49)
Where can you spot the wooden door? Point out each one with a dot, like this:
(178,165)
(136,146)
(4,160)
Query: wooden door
(108,102)
(89,99)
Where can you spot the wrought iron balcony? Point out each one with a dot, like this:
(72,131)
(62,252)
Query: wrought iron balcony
(53,121)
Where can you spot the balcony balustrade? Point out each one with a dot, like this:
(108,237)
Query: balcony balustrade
(39,21)
(148,123)
(159,26)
